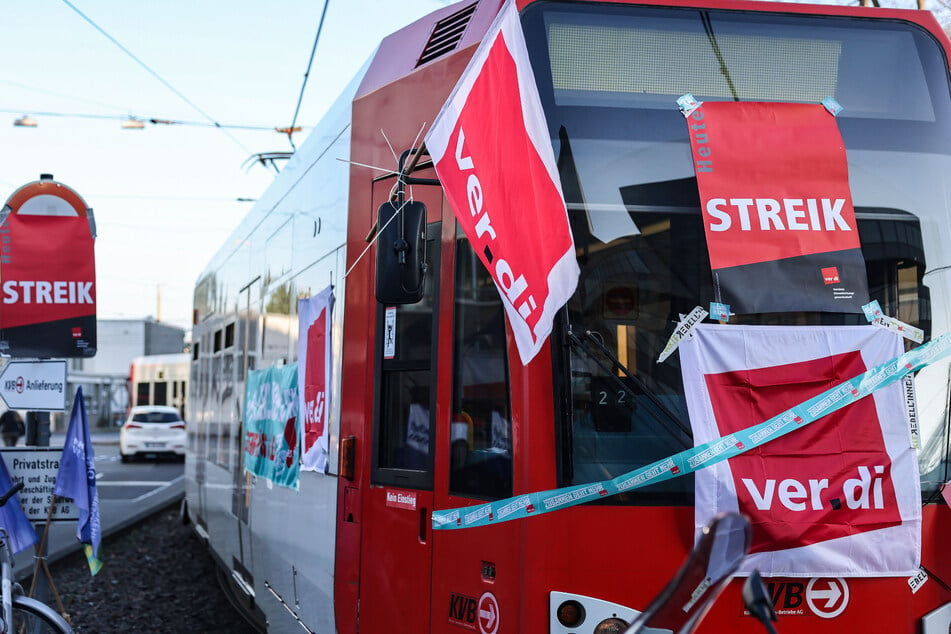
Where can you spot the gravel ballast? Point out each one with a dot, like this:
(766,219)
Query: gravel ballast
(157,577)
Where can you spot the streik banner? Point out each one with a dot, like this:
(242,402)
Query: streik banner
(776,207)
(47,273)
(493,155)
(838,497)
(271,436)
(314,352)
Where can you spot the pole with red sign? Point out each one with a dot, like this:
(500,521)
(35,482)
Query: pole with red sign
(47,290)
(47,273)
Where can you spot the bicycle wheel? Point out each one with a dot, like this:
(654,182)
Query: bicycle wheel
(34,617)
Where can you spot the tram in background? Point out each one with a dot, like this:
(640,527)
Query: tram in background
(340,554)
(160,379)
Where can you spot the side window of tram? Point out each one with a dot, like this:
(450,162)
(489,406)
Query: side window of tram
(405,429)
(142,396)
(895,261)
(480,431)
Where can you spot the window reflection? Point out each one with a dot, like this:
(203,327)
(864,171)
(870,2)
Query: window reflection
(404,437)
(481,427)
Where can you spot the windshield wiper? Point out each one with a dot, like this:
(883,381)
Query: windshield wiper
(658,411)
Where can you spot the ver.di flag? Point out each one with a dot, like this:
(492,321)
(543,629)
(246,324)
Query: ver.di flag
(19,529)
(839,497)
(314,377)
(76,479)
(493,154)
(271,436)
(776,207)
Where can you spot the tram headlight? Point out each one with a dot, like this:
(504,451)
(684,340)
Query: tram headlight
(612,625)
(570,613)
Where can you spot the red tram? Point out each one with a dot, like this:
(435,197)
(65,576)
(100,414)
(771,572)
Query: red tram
(441,413)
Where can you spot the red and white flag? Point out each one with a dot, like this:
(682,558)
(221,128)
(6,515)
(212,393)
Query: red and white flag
(839,497)
(314,356)
(493,154)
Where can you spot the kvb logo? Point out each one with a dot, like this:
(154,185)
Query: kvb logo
(827,480)
(825,597)
(787,596)
(489,616)
(463,610)
(470,613)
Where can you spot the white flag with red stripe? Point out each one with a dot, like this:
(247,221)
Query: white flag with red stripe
(314,377)
(839,497)
(493,154)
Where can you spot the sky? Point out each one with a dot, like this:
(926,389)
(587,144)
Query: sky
(167,196)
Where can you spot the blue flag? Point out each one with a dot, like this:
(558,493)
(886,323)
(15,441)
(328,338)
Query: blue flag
(76,479)
(12,518)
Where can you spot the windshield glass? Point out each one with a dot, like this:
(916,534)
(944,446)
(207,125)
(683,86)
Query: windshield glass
(156,417)
(609,77)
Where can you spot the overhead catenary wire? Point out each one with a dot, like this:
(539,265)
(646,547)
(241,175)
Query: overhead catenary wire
(310,62)
(43,91)
(145,119)
(155,74)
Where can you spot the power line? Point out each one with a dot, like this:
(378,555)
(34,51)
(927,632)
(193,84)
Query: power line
(152,120)
(219,199)
(59,94)
(300,98)
(154,74)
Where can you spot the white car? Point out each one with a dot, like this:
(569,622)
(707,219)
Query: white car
(152,430)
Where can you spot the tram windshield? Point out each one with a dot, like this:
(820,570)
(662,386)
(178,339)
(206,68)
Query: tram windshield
(609,77)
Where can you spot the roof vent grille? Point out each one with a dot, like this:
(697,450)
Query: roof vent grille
(446,35)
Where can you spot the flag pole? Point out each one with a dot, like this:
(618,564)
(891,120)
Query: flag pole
(41,547)
(73,481)
(41,561)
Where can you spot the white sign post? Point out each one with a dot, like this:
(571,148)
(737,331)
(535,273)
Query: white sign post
(37,469)
(34,385)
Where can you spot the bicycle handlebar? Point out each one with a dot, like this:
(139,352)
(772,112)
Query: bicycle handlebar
(9,494)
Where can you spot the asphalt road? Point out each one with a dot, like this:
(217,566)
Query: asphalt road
(127,494)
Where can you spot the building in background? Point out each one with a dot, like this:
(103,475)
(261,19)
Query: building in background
(105,377)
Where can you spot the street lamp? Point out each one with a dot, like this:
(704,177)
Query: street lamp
(26,121)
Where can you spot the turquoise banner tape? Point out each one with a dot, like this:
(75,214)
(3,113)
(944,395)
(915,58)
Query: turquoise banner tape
(690,460)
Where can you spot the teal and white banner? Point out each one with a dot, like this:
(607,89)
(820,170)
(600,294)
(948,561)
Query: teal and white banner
(690,460)
(271,437)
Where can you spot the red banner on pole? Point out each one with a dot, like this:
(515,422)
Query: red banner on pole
(47,273)
(777,209)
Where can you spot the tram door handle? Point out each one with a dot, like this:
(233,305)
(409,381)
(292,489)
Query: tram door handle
(423,525)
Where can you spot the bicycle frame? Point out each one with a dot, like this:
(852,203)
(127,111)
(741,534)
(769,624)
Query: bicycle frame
(6,565)
(24,606)
(6,569)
